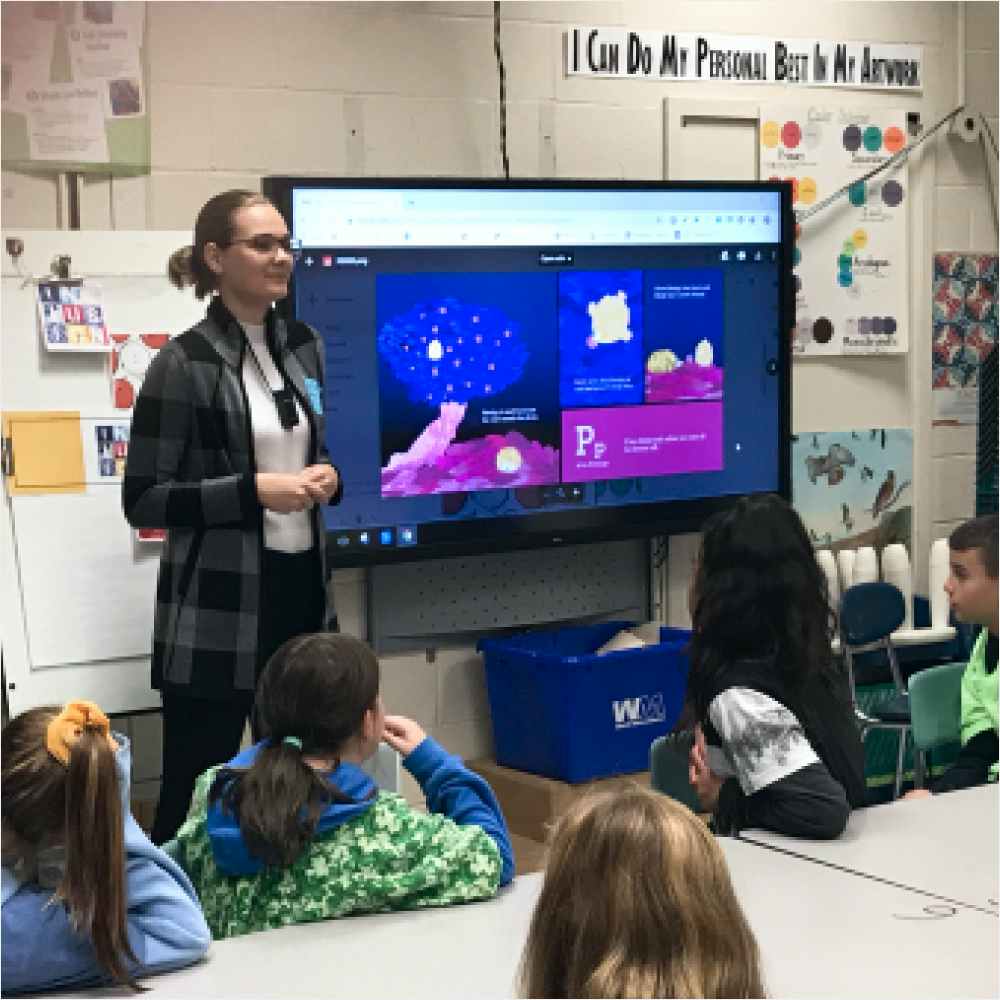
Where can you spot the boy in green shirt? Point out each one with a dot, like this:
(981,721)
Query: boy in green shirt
(972,590)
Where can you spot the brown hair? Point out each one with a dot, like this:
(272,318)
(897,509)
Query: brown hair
(637,902)
(315,689)
(78,805)
(214,224)
(979,533)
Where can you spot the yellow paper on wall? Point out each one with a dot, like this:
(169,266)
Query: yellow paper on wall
(43,452)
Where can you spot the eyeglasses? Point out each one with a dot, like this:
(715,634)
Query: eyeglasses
(266,243)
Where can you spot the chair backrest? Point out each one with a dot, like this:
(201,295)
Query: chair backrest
(936,705)
(668,768)
(870,612)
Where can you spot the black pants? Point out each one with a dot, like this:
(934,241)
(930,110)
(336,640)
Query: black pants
(199,733)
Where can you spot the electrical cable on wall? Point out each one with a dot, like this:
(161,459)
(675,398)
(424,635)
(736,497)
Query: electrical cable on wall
(503,90)
(802,214)
(988,132)
(988,138)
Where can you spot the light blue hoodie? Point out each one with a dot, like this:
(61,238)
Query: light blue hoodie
(166,929)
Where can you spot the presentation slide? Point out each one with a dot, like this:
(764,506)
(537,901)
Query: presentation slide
(472,397)
(600,338)
(467,390)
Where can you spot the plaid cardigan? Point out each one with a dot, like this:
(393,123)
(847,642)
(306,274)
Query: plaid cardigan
(191,469)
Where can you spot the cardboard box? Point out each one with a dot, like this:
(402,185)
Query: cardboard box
(531,803)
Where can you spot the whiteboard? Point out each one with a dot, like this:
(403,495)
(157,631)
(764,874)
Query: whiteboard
(76,589)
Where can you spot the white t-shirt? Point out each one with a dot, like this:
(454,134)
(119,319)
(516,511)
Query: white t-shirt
(762,741)
(275,449)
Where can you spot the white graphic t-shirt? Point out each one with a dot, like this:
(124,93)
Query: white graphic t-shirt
(762,741)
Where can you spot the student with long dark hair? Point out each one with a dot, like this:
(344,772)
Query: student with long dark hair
(87,898)
(293,830)
(777,745)
(637,902)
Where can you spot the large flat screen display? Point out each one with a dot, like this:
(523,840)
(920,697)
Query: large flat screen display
(512,364)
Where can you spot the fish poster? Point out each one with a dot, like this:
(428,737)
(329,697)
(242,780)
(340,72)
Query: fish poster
(855,487)
(964,331)
(850,258)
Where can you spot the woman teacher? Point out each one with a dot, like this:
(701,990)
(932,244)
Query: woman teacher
(228,453)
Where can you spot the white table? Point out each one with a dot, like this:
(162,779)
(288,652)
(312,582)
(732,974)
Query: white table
(822,933)
(826,933)
(464,952)
(945,846)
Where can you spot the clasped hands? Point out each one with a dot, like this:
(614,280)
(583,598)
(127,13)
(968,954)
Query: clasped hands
(289,492)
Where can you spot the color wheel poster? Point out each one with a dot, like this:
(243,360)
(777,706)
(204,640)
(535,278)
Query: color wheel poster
(850,258)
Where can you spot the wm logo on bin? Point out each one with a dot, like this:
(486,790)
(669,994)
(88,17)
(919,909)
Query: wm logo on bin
(645,710)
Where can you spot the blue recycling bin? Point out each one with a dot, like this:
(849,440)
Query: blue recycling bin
(563,712)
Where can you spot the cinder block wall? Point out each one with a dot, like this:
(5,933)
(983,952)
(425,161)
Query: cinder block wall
(965,219)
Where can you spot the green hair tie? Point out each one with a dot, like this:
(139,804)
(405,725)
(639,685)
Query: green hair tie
(293,741)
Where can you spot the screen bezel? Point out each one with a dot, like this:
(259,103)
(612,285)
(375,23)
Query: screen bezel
(592,524)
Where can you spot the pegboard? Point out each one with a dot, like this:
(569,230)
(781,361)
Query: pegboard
(456,601)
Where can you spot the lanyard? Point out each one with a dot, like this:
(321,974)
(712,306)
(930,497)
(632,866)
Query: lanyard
(284,401)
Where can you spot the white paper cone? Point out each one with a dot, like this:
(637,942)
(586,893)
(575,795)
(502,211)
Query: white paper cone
(865,566)
(896,570)
(829,567)
(845,563)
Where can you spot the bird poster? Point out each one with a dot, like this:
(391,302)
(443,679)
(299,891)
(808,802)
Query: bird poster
(964,331)
(854,487)
(850,257)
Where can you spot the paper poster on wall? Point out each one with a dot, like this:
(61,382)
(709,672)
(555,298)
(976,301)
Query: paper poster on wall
(130,358)
(850,258)
(73,87)
(964,332)
(854,487)
(71,316)
(105,448)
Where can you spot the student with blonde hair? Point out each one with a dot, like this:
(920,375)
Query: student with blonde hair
(87,898)
(637,902)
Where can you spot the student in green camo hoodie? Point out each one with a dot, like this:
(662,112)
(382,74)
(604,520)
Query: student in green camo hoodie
(293,830)
(972,590)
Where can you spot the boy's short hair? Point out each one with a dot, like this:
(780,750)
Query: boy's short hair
(979,533)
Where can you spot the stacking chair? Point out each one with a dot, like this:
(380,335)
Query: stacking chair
(668,768)
(869,614)
(936,710)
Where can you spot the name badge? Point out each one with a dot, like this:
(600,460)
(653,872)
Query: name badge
(314,394)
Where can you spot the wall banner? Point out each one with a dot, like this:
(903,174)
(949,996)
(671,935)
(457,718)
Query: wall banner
(651,54)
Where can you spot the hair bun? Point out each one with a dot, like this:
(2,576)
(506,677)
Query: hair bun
(179,267)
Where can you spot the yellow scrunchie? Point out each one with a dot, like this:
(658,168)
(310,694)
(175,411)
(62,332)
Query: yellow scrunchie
(68,726)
